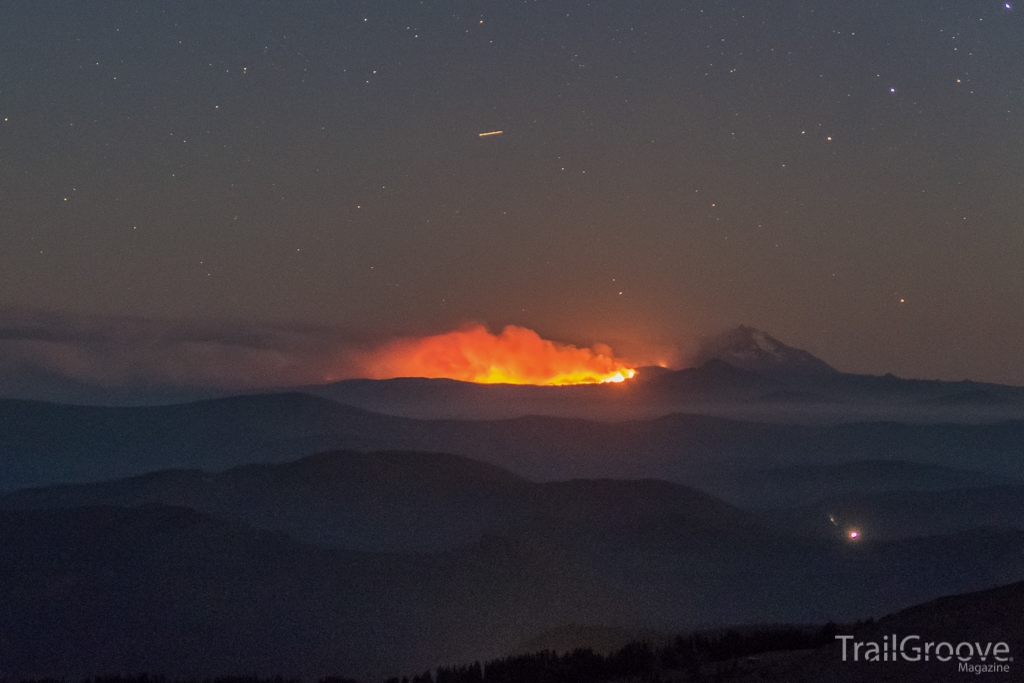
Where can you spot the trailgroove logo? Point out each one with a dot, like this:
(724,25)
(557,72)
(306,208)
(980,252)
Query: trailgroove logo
(976,658)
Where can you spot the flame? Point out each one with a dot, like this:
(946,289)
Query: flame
(516,356)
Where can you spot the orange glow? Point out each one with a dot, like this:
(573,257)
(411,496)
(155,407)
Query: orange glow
(516,356)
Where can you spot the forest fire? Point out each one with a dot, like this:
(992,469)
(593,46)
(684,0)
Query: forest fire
(515,356)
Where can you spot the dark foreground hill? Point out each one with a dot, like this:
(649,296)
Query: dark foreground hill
(987,621)
(167,589)
(44,444)
(979,619)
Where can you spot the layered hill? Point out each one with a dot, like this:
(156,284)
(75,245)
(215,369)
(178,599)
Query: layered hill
(97,589)
(803,484)
(44,443)
(407,502)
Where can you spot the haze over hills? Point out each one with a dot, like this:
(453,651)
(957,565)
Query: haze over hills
(401,502)
(290,533)
(46,444)
(429,502)
(166,588)
(795,485)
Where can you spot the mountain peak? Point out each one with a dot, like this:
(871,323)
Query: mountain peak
(757,351)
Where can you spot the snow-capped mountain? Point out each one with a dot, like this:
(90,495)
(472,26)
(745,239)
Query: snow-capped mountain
(751,349)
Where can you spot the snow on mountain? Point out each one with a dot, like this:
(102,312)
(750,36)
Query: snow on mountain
(751,349)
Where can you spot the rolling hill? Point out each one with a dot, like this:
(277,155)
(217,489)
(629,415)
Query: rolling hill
(97,590)
(43,444)
(403,501)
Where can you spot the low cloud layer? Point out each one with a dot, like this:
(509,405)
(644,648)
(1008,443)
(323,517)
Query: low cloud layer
(86,358)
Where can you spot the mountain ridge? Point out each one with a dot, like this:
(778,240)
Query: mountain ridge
(46,444)
(398,501)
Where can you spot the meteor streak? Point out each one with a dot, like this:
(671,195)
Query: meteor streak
(515,356)
(493,132)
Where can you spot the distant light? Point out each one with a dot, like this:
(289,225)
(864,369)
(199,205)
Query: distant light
(1008,6)
(892,90)
(854,534)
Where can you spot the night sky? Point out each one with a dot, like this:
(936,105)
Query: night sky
(848,176)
